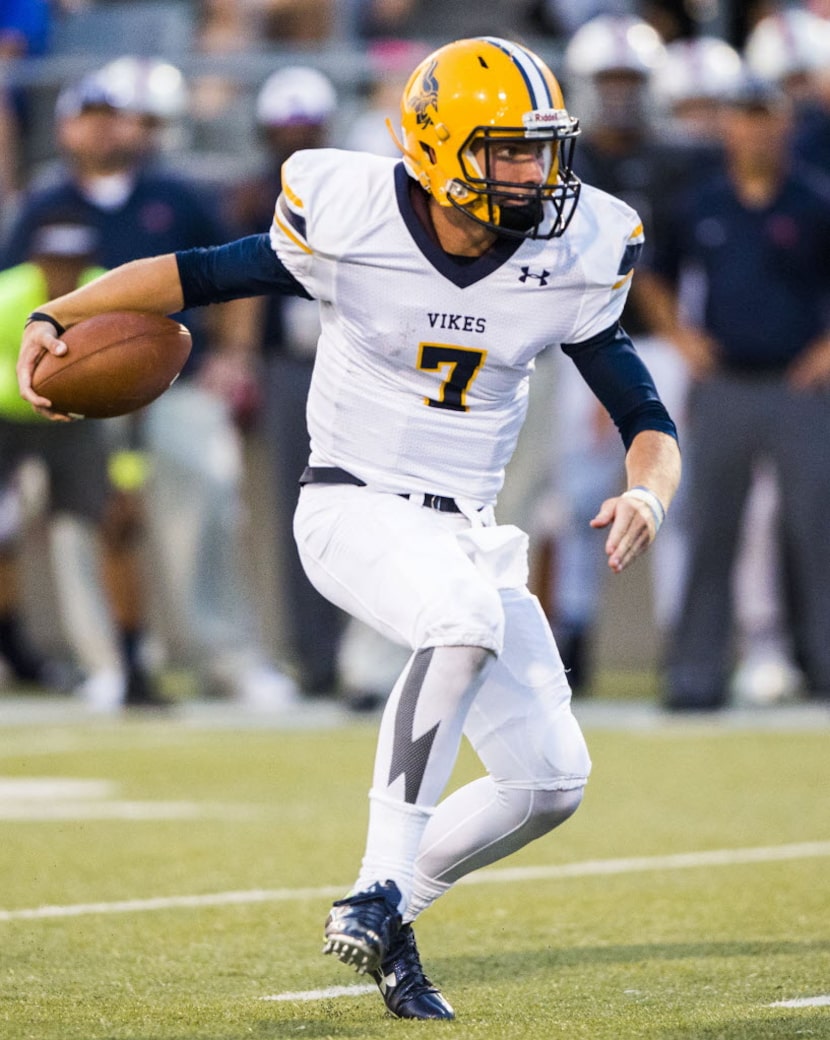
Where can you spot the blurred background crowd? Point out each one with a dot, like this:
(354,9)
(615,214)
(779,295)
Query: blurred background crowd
(149,560)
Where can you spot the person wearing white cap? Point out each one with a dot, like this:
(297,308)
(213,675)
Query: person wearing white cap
(611,62)
(296,95)
(692,87)
(294,109)
(792,48)
(756,236)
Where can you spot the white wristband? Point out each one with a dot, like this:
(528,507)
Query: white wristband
(646,495)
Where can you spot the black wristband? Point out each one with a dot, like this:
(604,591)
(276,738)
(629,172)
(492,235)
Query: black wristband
(43,316)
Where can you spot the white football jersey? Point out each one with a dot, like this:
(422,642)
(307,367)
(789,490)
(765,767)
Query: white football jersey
(421,377)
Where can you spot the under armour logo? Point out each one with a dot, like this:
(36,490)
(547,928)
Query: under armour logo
(527,273)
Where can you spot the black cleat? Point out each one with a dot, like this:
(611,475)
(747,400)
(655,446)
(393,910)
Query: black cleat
(408,993)
(361,928)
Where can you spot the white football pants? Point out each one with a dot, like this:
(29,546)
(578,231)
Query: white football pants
(484,662)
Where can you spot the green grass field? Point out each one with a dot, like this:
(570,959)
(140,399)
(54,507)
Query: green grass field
(111,830)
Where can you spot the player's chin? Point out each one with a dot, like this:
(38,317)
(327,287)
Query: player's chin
(521,216)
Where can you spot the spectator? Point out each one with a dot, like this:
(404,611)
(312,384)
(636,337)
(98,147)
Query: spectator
(610,62)
(690,88)
(792,48)
(690,85)
(759,352)
(294,110)
(24,31)
(61,256)
(107,131)
(24,27)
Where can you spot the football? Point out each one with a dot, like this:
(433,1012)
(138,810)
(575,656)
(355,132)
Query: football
(114,364)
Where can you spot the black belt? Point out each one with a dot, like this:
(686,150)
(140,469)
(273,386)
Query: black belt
(335,475)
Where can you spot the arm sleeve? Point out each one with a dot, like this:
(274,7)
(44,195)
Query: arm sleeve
(246,267)
(616,374)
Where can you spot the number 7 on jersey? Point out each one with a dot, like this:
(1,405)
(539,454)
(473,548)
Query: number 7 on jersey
(459,365)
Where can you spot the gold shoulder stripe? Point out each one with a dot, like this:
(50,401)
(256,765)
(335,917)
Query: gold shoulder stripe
(636,233)
(286,230)
(293,198)
(622,281)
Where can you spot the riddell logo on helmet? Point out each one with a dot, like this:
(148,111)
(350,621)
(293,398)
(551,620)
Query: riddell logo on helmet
(542,118)
(427,97)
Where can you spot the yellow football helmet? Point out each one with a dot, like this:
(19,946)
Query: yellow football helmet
(473,92)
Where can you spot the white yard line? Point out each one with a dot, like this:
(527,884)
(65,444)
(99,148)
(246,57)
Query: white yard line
(491,876)
(675,861)
(329,993)
(333,992)
(41,799)
(801,1002)
(38,789)
(125,810)
(126,906)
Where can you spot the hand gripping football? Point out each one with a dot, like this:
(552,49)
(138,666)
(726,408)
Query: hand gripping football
(114,364)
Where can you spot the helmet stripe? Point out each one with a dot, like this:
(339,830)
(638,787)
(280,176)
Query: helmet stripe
(537,85)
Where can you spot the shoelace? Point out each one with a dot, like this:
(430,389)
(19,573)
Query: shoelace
(406,951)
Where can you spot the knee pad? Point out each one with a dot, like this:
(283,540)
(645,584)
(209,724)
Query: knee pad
(549,809)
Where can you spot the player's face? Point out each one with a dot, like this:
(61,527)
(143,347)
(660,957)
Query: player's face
(514,162)
(515,170)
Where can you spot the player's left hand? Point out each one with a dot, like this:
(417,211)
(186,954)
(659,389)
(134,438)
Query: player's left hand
(633,529)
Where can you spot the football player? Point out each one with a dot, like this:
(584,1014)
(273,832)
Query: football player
(439,280)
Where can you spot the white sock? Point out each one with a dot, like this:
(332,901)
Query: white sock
(395,833)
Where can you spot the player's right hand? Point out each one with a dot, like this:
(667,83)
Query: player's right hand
(632,530)
(38,337)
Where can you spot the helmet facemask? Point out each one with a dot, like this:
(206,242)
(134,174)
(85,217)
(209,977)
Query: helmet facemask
(518,208)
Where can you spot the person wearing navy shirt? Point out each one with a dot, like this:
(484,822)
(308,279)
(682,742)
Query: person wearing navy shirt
(113,184)
(757,237)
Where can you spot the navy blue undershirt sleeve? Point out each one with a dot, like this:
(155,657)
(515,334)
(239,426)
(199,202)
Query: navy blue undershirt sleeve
(615,372)
(246,267)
